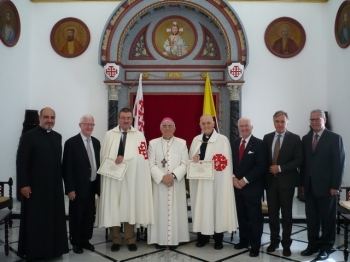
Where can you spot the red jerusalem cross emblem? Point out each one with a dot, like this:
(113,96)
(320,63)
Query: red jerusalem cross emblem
(220,162)
(111,71)
(235,70)
(143,150)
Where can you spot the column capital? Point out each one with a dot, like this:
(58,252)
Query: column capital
(113,91)
(235,91)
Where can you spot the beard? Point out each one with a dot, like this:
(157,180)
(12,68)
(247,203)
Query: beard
(70,38)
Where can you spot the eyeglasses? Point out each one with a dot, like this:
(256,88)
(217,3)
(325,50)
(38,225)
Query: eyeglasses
(126,118)
(87,124)
(244,126)
(317,120)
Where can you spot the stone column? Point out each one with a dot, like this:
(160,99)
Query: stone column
(235,96)
(113,96)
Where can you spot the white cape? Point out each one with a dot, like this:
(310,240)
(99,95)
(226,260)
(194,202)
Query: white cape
(213,202)
(128,200)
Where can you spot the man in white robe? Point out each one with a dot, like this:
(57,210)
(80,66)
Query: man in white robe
(128,200)
(212,201)
(168,156)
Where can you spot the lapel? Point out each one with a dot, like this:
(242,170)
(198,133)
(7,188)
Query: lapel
(321,140)
(82,148)
(248,148)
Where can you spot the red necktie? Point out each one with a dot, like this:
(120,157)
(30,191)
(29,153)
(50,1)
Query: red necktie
(241,150)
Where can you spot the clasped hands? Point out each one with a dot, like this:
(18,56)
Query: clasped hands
(239,183)
(168,180)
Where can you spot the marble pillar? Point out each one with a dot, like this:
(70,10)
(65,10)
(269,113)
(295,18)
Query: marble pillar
(235,95)
(113,96)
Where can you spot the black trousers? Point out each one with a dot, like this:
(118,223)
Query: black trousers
(82,217)
(250,219)
(320,214)
(280,200)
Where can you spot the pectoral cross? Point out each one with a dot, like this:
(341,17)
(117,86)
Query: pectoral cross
(164,162)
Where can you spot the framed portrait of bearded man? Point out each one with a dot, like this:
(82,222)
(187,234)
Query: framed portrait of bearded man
(70,37)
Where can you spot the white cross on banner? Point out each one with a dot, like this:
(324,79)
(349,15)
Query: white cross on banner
(139,110)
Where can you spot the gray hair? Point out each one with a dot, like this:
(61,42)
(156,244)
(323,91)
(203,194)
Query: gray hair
(86,117)
(279,113)
(245,118)
(318,111)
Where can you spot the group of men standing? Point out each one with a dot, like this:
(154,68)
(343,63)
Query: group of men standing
(152,192)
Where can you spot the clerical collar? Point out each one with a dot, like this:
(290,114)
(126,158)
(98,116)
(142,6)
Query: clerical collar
(168,139)
(205,137)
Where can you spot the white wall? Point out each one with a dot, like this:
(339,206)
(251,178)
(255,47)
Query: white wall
(34,76)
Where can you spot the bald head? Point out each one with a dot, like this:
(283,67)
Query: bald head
(207,124)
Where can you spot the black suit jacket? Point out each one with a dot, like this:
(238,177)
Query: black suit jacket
(323,168)
(252,166)
(76,166)
(289,159)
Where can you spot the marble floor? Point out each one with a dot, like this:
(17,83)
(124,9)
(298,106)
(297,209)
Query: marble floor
(186,252)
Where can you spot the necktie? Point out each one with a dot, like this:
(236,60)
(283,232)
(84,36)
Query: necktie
(276,150)
(91,159)
(241,150)
(314,143)
(124,139)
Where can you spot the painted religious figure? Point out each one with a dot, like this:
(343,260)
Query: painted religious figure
(175,44)
(342,25)
(7,31)
(174,37)
(285,45)
(285,37)
(10,25)
(70,37)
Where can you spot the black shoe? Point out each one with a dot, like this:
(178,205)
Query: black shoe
(88,246)
(254,252)
(159,247)
(308,252)
(172,247)
(241,245)
(200,244)
(272,247)
(132,247)
(323,255)
(115,247)
(218,246)
(286,252)
(78,250)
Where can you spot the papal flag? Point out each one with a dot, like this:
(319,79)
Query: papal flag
(139,109)
(208,104)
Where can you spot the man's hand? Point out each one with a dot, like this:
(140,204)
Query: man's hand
(235,183)
(26,191)
(168,180)
(119,159)
(71,195)
(334,192)
(195,158)
(242,182)
(274,169)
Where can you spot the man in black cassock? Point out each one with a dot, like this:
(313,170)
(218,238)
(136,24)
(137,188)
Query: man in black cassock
(43,231)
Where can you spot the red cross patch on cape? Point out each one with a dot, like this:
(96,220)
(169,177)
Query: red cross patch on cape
(143,150)
(220,162)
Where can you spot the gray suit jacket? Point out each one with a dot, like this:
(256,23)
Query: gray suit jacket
(323,168)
